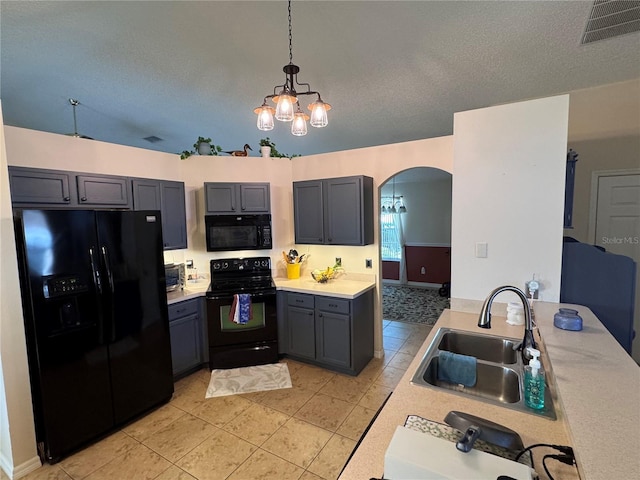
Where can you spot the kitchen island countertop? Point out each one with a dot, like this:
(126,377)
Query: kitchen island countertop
(597,389)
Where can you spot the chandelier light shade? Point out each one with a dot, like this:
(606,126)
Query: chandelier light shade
(265,117)
(286,98)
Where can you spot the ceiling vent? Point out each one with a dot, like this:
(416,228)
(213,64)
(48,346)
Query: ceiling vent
(153,139)
(611,18)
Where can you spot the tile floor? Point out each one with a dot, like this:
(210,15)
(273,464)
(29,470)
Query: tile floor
(306,432)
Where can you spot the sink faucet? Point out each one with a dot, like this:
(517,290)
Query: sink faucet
(485,317)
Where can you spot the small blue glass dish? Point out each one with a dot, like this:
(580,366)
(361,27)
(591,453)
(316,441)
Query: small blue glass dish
(567,319)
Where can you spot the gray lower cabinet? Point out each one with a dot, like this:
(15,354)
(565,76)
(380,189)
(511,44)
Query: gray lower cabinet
(230,198)
(334,211)
(335,333)
(36,187)
(168,197)
(187,336)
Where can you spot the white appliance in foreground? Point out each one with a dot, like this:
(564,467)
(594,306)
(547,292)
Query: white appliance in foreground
(415,455)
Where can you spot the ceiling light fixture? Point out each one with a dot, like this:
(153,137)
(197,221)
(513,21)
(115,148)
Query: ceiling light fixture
(287,103)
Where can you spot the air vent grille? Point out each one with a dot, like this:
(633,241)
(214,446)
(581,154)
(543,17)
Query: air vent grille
(153,139)
(611,18)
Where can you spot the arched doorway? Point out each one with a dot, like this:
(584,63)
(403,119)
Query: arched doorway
(415,245)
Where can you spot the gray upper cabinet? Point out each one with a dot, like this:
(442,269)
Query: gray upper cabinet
(34,187)
(334,211)
(102,190)
(168,197)
(233,198)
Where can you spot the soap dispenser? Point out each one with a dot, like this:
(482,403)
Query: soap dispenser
(534,381)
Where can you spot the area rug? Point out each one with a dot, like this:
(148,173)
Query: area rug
(248,379)
(412,304)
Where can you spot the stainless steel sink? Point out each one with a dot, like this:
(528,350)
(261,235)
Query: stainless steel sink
(499,370)
(483,347)
(493,382)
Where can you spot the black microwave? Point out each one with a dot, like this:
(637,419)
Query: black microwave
(238,232)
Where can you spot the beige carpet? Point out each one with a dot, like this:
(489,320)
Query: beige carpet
(248,379)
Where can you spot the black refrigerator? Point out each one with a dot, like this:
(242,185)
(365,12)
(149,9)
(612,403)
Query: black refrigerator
(96,321)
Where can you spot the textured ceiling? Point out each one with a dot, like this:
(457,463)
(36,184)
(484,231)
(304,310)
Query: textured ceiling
(393,71)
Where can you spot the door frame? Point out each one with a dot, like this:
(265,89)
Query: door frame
(593,203)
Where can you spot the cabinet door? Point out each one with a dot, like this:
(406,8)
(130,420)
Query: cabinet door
(301,332)
(344,217)
(254,197)
(220,197)
(33,186)
(146,194)
(98,190)
(174,217)
(185,343)
(308,212)
(333,339)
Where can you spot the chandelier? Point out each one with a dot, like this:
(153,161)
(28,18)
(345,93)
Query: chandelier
(393,204)
(286,98)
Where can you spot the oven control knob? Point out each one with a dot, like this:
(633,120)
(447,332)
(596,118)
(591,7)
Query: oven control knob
(216,266)
(225,265)
(241,267)
(256,263)
(265,263)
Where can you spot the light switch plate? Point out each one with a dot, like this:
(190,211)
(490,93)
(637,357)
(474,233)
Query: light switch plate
(481,249)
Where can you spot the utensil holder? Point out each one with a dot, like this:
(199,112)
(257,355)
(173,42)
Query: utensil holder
(293,270)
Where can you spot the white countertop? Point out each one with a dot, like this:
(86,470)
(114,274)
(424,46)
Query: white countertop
(191,290)
(345,286)
(598,401)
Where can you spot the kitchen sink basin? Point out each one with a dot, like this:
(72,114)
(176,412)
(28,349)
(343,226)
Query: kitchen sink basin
(483,347)
(499,372)
(493,382)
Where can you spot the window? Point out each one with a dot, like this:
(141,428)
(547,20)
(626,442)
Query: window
(390,231)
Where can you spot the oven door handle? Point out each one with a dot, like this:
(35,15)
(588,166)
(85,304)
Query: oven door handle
(229,296)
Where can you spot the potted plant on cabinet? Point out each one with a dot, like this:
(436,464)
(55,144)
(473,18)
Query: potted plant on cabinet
(203,146)
(268,149)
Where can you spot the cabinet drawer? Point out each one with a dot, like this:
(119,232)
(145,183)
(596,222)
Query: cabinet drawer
(330,304)
(182,309)
(300,300)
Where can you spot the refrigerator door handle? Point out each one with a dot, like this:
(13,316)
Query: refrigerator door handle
(105,256)
(98,284)
(107,266)
(95,272)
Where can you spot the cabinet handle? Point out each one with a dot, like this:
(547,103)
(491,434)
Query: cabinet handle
(333,305)
(319,239)
(84,199)
(310,313)
(330,239)
(180,310)
(320,315)
(66,199)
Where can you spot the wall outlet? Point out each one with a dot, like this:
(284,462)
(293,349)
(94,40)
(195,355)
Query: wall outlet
(368,263)
(339,261)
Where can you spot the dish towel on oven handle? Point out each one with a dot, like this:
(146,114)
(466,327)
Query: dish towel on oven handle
(240,312)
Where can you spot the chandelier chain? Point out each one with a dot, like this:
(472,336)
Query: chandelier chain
(290,36)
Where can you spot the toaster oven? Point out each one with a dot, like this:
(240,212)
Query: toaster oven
(174,275)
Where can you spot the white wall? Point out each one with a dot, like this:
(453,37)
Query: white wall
(428,217)
(508,191)
(17,432)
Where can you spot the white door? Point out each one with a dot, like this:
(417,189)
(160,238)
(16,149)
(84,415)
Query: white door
(617,228)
